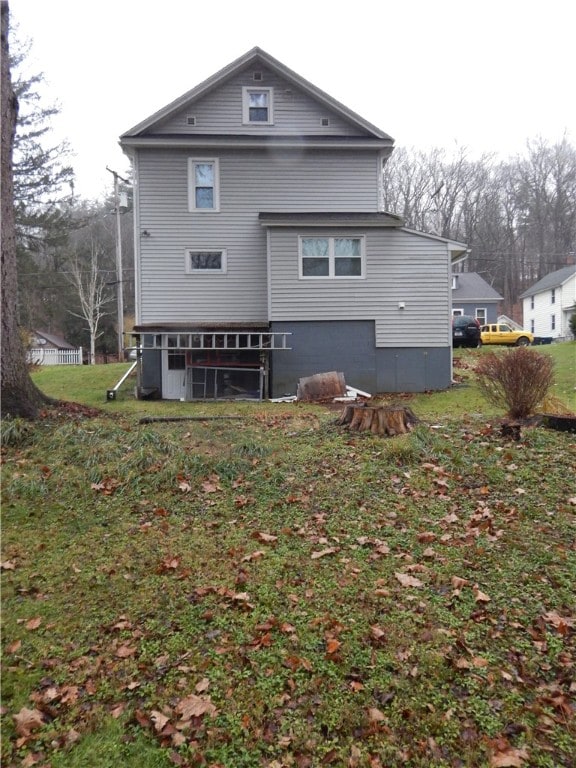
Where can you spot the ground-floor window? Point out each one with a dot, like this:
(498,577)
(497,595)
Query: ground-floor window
(481,315)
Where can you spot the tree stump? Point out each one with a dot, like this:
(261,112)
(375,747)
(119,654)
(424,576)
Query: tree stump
(380,420)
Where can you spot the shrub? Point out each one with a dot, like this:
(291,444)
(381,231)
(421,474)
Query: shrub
(517,380)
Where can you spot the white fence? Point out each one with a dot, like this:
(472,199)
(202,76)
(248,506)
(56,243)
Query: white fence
(42,356)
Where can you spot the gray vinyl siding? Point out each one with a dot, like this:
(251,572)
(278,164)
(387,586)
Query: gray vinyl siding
(294,112)
(400,267)
(250,182)
(470,306)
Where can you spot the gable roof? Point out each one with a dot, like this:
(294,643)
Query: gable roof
(470,286)
(552,280)
(52,338)
(255,56)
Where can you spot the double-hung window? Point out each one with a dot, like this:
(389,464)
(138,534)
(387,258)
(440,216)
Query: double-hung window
(257,106)
(332,257)
(203,185)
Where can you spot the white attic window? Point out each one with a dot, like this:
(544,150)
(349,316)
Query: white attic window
(257,106)
(257,76)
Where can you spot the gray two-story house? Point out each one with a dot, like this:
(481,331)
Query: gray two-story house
(262,251)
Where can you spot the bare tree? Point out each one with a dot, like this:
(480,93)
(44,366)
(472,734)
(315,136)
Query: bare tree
(20,397)
(92,291)
(518,217)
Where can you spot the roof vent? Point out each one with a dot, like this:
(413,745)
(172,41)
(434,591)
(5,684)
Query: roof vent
(257,76)
(191,120)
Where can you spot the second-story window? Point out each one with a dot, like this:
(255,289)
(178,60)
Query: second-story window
(531,302)
(332,257)
(553,296)
(203,185)
(257,105)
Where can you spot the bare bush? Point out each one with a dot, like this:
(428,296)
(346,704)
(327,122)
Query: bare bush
(517,380)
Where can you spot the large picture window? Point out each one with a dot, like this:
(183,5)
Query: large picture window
(203,185)
(332,257)
(257,105)
(206,262)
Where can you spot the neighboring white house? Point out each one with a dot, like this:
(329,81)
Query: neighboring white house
(549,304)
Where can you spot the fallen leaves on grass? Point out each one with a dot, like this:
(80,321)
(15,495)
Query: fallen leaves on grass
(479,596)
(324,552)
(406,580)
(268,538)
(509,757)
(28,720)
(195,706)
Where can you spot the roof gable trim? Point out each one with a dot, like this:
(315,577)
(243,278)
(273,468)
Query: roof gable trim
(254,56)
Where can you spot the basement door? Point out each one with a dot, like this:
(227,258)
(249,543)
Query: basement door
(173,371)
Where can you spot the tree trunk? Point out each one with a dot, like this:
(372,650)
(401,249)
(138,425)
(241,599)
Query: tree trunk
(380,420)
(20,396)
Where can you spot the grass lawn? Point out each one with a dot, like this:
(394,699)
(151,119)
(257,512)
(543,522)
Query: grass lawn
(272,590)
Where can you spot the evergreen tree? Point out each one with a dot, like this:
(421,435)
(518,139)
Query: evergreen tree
(20,397)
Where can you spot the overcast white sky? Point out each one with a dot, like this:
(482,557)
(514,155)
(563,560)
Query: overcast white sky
(486,75)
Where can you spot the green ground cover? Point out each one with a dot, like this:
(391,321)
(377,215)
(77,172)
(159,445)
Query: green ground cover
(272,590)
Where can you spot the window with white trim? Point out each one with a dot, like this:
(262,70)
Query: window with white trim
(203,184)
(553,296)
(532,326)
(205,261)
(531,302)
(552,322)
(257,106)
(480,314)
(332,257)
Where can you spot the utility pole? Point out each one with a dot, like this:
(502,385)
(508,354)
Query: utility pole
(119,277)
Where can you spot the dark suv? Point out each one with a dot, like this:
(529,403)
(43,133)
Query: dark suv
(465,331)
